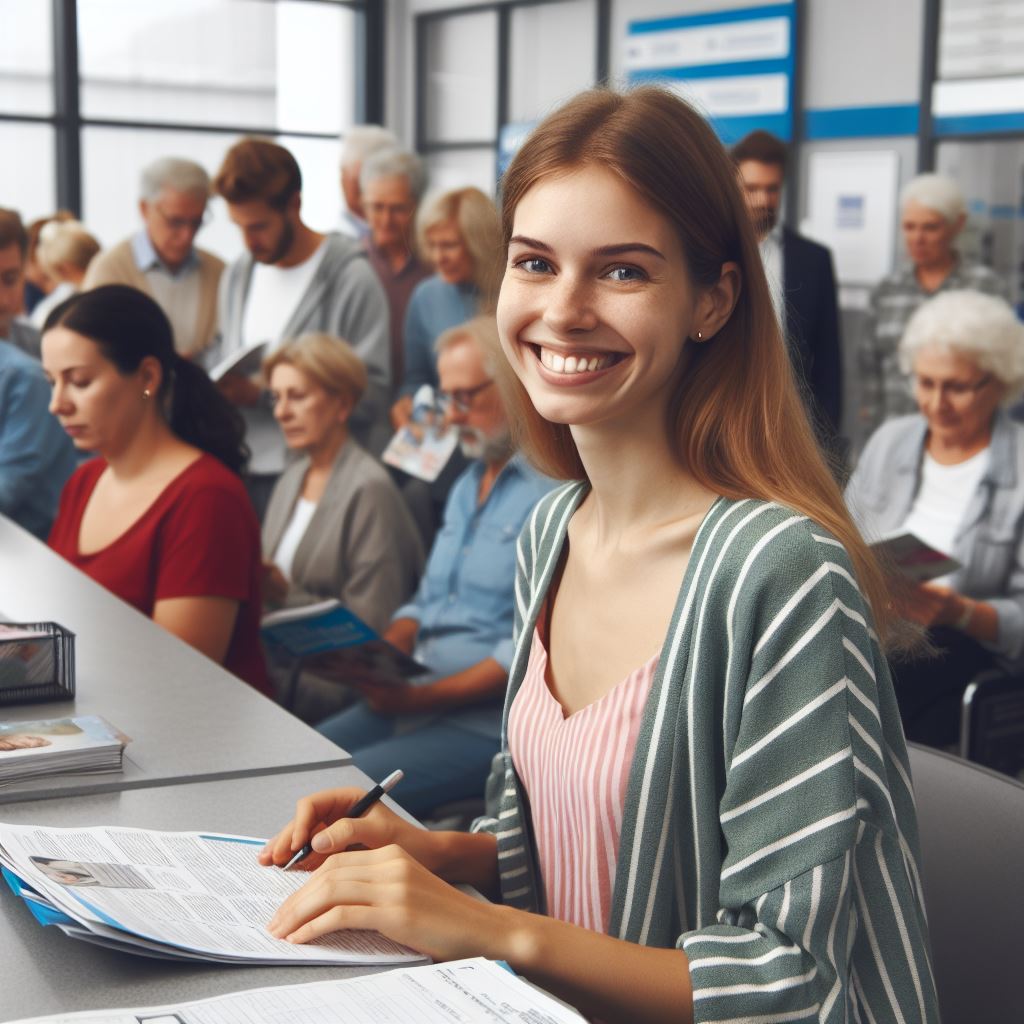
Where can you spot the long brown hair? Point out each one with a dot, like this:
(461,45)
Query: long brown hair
(741,426)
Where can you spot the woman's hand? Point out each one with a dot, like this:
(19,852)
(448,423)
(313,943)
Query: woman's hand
(275,585)
(390,891)
(930,604)
(322,817)
(239,390)
(398,700)
(401,412)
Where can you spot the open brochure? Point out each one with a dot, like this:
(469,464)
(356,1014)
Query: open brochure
(336,641)
(246,361)
(424,445)
(170,895)
(461,992)
(57,746)
(913,557)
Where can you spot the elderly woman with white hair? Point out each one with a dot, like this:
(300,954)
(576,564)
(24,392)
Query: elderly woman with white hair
(953,474)
(932,215)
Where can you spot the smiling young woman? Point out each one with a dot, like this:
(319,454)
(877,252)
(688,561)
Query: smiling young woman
(704,790)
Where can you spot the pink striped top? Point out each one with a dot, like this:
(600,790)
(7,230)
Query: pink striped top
(575,771)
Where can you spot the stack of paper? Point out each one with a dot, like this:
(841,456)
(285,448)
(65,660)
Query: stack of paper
(461,992)
(55,746)
(170,895)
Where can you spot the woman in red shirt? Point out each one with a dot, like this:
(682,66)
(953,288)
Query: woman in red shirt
(161,518)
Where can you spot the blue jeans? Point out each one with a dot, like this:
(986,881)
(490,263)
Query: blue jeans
(441,762)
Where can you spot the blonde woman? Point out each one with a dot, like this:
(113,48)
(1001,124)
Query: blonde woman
(64,252)
(705,807)
(460,234)
(336,526)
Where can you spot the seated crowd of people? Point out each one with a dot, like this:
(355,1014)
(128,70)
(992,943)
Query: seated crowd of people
(206,498)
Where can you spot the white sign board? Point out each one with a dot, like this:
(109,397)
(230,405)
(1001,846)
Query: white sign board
(726,43)
(852,208)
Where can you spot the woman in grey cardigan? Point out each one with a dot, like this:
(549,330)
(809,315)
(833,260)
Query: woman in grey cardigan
(335,527)
(953,474)
(744,793)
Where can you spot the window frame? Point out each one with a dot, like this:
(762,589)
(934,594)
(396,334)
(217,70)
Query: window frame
(424,22)
(68,123)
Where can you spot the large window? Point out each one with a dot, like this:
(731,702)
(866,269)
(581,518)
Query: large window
(481,72)
(93,90)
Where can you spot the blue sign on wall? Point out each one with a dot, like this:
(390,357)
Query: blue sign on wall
(735,66)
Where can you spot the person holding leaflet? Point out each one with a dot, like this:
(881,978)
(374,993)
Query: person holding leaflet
(705,809)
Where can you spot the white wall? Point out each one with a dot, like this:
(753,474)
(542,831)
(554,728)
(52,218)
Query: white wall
(863,53)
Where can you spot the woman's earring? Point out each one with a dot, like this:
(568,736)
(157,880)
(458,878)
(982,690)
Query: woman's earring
(700,337)
(147,393)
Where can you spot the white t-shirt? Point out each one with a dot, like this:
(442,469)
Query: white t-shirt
(284,556)
(942,500)
(771,256)
(273,294)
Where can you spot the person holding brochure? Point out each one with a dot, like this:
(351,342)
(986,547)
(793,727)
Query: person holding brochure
(953,474)
(161,518)
(443,729)
(704,805)
(335,525)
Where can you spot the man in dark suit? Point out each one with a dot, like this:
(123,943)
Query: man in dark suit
(802,281)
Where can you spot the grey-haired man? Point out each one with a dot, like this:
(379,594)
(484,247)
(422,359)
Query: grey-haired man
(162,260)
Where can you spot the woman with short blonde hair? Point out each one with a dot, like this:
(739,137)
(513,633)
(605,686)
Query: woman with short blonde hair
(459,232)
(64,251)
(335,526)
(329,361)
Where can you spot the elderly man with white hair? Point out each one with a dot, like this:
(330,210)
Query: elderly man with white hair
(358,144)
(162,260)
(932,215)
(953,474)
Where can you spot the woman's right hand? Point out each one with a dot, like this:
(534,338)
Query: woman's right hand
(401,412)
(322,816)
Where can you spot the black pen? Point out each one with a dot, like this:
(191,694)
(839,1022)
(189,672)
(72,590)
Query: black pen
(357,810)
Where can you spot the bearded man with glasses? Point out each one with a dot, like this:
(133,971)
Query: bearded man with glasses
(162,260)
(445,727)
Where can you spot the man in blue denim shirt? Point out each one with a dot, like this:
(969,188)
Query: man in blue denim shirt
(444,731)
(36,455)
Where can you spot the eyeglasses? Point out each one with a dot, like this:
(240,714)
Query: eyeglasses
(953,388)
(191,224)
(460,398)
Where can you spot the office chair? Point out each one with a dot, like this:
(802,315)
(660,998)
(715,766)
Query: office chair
(971,823)
(992,721)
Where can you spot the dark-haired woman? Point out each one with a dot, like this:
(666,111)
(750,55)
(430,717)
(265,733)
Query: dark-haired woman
(161,518)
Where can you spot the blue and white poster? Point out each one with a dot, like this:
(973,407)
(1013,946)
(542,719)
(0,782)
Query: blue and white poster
(735,66)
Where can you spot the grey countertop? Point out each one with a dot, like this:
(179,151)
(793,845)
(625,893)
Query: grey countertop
(188,719)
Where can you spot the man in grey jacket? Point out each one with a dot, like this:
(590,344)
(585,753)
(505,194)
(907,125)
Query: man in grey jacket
(292,281)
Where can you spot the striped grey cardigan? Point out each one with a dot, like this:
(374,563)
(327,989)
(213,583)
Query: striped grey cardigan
(769,828)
